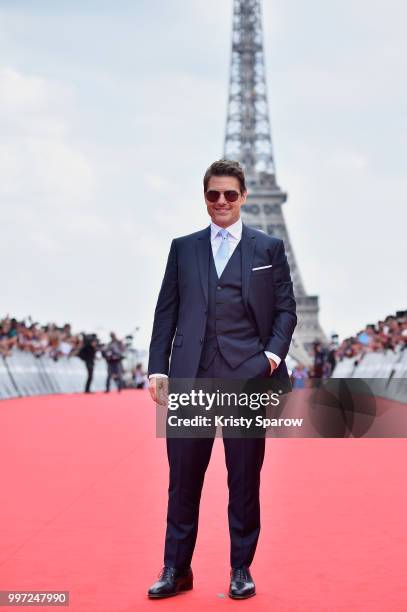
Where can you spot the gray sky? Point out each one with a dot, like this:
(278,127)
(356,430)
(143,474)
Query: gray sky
(110,112)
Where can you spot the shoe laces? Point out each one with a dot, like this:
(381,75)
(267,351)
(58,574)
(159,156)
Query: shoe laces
(240,573)
(166,572)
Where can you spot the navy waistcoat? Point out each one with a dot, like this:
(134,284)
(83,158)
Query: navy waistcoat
(229,329)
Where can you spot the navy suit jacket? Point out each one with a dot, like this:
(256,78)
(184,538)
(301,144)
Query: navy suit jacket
(181,311)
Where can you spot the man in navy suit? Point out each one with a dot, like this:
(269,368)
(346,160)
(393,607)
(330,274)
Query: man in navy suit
(226,310)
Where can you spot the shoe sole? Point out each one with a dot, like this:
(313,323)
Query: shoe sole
(166,595)
(241,596)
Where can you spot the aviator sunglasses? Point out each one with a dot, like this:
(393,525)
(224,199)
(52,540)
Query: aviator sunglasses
(213,196)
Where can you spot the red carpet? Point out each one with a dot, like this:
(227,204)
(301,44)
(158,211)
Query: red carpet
(84,500)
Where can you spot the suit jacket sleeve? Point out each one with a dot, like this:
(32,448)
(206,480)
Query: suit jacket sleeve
(165,317)
(285,318)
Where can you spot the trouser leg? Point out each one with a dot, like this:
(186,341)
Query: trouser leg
(244,459)
(89,367)
(244,455)
(109,376)
(188,459)
(119,377)
(116,372)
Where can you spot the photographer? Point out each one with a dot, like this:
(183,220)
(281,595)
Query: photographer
(87,353)
(114,354)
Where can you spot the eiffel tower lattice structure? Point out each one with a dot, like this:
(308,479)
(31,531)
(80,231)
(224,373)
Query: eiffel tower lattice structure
(248,140)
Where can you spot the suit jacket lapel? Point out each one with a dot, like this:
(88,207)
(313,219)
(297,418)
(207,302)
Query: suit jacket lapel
(202,251)
(248,246)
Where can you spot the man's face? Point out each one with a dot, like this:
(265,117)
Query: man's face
(224,212)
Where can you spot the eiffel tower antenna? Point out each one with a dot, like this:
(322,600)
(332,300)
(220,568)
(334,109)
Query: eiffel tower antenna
(248,140)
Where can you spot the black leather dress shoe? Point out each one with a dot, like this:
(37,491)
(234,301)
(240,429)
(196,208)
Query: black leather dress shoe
(171,582)
(241,584)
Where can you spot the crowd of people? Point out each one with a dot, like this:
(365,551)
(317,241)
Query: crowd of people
(28,335)
(56,342)
(388,334)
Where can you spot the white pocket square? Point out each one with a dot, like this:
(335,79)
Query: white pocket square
(262,267)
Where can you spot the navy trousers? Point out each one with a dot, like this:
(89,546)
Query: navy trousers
(188,460)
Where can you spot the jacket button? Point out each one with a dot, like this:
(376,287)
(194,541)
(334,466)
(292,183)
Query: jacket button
(218,287)
(206,311)
(201,340)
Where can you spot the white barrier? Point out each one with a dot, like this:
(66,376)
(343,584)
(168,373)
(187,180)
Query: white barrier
(26,373)
(7,385)
(385,372)
(23,374)
(344,368)
(99,375)
(68,373)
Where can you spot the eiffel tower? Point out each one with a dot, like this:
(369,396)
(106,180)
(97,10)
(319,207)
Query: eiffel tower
(248,140)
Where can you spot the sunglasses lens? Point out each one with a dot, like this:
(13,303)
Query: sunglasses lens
(231,196)
(212,196)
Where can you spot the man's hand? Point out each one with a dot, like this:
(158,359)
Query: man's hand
(273,365)
(158,387)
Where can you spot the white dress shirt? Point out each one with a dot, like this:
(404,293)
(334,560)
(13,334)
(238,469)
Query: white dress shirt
(235,235)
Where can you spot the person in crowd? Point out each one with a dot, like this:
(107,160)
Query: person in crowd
(5,348)
(114,354)
(299,374)
(139,377)
(319,360)
(87,353)
(331,359)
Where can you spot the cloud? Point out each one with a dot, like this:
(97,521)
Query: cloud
(42,171)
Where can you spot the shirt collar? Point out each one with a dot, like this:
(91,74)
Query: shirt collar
(235,229)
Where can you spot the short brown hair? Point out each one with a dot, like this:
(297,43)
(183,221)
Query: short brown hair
(225,167)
